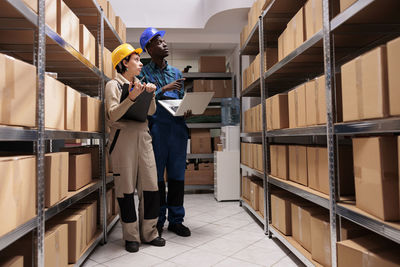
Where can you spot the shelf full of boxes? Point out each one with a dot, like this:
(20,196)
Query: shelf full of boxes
(48,190)
(253,178)
(336,85)
(205,129)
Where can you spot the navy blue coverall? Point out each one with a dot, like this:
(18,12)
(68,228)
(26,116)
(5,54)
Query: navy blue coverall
(170,135)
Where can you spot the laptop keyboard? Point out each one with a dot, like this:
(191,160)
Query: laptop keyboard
(175,108)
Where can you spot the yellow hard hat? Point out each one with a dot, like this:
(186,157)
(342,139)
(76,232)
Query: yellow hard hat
(122,51)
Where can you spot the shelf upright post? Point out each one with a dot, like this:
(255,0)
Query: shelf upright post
(264,123)
(330,134)
(41,67)
(103,202)
(240,85)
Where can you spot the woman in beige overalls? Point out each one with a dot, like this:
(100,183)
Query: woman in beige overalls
(131,152)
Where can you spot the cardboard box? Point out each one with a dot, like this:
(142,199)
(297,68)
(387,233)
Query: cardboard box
(90,206)
(56,246)
(120,27)
(15,107)
(364,86)
(297,107)
(316,101)
(246,187)
(72,109)
(17,191)
(318,173)
(212,64)
(54,97)
(77,234)
(281,213)
(281,45)
(103,5)
(260,158)
(87,44)
(321,239)
(108,68)
(16,261)
(56,177)
(313,17)
(93,150)
(255,156)
(67,24)
(200,141)
(80,171)
(254,197)
(110,14)
(344,4)
(301,221)
(199,177)
(370,250)
(376,174)
(51,14)
(295,31)
(393,53)
(261,199)
(298,164)
(279,159)
(277,112)
(221,88)
(90,114)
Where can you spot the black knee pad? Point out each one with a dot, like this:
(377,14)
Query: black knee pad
(161,190)
(175,192)
(151,204)
(127,208)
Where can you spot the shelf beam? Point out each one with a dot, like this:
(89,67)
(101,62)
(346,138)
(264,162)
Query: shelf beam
(73,198)
(252,172)
(301,191)
(17,233)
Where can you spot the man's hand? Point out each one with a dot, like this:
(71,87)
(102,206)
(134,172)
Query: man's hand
(150,87)
(175,85)
(187,114)
(136,90)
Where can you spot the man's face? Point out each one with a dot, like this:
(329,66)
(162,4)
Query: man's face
(157,47)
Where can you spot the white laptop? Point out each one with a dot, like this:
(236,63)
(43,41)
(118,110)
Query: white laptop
(197,102)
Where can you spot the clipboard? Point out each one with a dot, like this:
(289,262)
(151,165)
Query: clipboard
(197,102)
(138,111)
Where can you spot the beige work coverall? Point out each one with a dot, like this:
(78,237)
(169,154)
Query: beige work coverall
(134,166)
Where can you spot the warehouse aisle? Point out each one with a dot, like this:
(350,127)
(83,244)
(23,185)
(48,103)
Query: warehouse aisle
(223,234)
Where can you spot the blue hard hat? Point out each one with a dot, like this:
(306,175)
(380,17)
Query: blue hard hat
(148,34)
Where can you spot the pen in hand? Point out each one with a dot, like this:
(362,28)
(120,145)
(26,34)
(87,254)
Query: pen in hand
(140,81)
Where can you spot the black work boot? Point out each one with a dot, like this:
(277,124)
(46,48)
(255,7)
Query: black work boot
(160,230)
(179,229)
(131,246)
(158,242)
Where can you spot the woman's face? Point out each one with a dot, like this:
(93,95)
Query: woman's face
(134,64)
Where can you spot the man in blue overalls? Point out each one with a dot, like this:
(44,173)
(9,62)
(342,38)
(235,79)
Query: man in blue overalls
(170,134)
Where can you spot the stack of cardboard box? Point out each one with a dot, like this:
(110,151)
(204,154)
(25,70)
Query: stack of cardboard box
(308,166)
(253,119)
(202,174)
(221,88)
(200,141)
(253,193)
(252,19)
(370,84)
(252,156)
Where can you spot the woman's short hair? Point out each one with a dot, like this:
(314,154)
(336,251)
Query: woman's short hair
(120,66)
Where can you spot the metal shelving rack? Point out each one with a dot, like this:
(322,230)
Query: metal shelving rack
(323,53)
(206,76)
(74,70)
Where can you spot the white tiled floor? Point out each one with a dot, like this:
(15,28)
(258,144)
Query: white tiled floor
(223,234)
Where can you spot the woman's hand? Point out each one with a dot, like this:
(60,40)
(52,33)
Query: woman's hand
(150,87)
(136,90)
